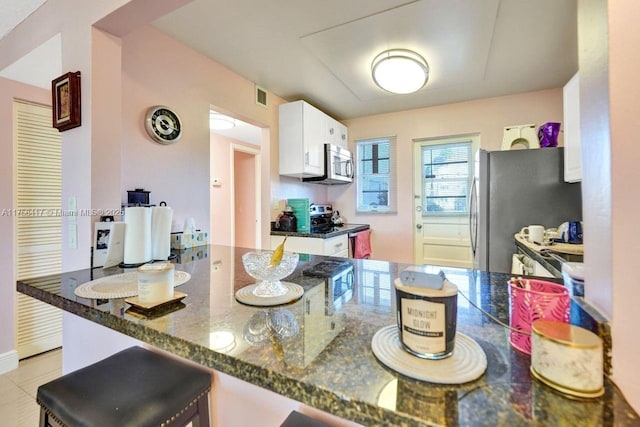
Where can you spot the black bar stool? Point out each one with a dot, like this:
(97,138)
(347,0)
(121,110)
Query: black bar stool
(297,419)
(132,388)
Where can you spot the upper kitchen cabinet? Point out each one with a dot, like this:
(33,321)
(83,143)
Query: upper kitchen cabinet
(337,132)
(303,132)
(572,144)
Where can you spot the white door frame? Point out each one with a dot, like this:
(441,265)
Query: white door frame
(418,223)
(258,191)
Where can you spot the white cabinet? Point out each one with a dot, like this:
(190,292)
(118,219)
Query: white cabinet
(572,144)
(334,246)
(303,132)
(336,132)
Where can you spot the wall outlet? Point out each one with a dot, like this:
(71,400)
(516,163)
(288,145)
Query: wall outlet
(72,208)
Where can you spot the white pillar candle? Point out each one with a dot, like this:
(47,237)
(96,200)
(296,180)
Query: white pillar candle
(155,282)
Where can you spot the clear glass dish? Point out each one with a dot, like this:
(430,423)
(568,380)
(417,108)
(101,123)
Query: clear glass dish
(257,266)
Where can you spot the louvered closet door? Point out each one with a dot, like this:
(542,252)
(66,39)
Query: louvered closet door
(38,241)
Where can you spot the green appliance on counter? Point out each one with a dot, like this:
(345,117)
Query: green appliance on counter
(301,211)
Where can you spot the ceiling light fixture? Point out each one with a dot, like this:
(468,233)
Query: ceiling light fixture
(219,121)
(400,71)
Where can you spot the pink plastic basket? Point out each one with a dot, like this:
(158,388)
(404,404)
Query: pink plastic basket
(542,300)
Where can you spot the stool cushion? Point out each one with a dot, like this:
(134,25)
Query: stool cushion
(135,387)
(296,419)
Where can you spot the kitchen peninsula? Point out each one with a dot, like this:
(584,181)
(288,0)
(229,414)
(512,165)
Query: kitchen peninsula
(321,354)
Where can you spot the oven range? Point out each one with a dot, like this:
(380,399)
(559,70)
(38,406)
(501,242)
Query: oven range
(320,218)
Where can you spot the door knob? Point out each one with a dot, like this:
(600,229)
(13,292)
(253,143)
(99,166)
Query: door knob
(419,226)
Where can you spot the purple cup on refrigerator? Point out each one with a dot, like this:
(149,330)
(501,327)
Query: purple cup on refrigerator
(548,134)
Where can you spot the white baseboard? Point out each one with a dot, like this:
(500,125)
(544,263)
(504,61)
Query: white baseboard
(8,361)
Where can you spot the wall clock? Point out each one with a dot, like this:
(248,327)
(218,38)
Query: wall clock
(163,125)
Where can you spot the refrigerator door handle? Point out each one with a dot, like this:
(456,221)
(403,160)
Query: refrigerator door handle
(473,218)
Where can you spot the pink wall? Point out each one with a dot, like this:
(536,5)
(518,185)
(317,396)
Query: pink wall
(392,234)
(244,203)
(190,83)
(220,196)
(624,235)
(10,90)
(176,173)
(221,158)
(106,135)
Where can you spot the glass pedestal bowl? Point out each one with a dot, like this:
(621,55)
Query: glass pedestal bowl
(257,266)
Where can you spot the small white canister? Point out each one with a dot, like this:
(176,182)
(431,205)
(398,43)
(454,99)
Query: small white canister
(155,282)
(567,358)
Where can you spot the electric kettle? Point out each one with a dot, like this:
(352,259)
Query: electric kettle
(336,219)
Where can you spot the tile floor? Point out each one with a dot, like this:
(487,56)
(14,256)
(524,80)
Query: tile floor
(18,388)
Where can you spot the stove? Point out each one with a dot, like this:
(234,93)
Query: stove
(320,218)
(321,224)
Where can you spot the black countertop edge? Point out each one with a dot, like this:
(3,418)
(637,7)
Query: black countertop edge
(337,231)
(549,263)
(551,407)
(327,400)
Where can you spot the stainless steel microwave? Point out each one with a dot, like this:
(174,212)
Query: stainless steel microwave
(338,166)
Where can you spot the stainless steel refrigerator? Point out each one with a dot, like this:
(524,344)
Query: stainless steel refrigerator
(513,189)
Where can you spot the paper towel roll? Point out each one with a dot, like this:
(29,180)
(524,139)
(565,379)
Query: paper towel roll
(161,218)
(137,235)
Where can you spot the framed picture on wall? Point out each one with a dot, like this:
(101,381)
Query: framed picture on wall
(65,93)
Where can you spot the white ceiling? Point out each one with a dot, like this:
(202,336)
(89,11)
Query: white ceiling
(321,51)
(39,66)
(13,12)
(242,131)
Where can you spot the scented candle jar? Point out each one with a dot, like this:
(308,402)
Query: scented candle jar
(155,282)
(567,358)
(427,319)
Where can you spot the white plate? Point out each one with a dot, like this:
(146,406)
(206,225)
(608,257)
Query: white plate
(245,295)
(467,363)
(120,285)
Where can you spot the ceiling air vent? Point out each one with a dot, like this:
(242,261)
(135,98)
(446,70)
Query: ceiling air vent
(261,96)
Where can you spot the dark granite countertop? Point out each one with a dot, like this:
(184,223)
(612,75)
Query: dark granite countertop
(337,231)
(550,263)
(327,361)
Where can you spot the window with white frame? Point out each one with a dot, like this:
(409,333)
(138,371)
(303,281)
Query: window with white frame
(375,172)
(447,170)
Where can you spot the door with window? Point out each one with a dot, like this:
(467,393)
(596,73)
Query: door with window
(38,225)
(443,170)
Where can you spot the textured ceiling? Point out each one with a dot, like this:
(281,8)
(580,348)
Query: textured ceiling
(13,12)
(321,51)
